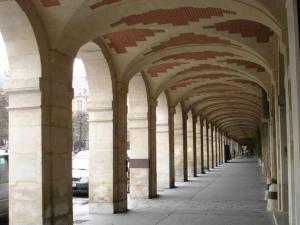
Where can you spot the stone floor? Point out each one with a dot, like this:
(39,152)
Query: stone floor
(231,194)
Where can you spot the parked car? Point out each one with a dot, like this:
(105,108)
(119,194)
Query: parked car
(3,184)
(80,172)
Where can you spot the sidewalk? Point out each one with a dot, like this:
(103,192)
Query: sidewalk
(231,194)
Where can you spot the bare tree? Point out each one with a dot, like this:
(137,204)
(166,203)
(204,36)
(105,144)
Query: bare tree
(80,131)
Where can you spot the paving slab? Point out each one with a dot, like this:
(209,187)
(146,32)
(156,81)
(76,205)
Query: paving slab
(231,194)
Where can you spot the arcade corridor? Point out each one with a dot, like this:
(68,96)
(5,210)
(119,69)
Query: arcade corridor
(176,87)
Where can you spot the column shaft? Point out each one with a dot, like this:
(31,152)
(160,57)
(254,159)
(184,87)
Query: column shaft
(207,147)
(171,148)
(202,145)
(40,146)
(152,148)
(185,146)
(212,146)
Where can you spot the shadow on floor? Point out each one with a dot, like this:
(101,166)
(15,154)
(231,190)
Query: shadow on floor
(248,161)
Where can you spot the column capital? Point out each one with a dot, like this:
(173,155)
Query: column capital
(121,88)
(185,116)
(171,111)
(201,122)
(152,102)
(195,119)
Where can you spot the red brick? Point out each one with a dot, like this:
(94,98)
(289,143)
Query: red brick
(155,69)
(209,76)
(177,17)
(102,3)
(197,55)
(246,28)
(243,81)
(203,67)
(245,63)
(190,38)
(119,40)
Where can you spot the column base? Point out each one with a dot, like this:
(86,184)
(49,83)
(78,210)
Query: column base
(153,196)
(172,186)
(108,208)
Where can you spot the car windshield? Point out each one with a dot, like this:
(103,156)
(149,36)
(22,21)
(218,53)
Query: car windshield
(80,164)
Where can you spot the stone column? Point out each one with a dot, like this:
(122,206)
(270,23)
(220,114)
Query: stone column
(163,154)
(204,145)
(272,147)
(101,157)
(139,155)
(216,146)
(120,148)
(265,150)
(152,103)
(202,139)
(185,147)
(294,93)
(195,146)
(282,159)
(178,145)
(207,146)
(221,148)
(171,148)
(198,146)
(40,144)
(212,145)
(283,155)
(219,145)
(292,161)
(190,145)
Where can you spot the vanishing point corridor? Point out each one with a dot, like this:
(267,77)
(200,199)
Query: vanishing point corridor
(231,194)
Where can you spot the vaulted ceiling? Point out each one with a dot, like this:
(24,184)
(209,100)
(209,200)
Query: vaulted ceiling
(213,56)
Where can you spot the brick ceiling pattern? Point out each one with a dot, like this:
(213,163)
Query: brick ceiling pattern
(180,85)
(120,40)
(155,69)
(209,76)
(243,81)
(103,3)
(190,50)
(245,63)
(214,86)
(177,17)
(197,55)
(204,67)
(246,28)
(190,38)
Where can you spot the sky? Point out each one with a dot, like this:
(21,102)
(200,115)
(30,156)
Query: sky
(3,61)
(79,74)
(3,56)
